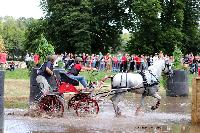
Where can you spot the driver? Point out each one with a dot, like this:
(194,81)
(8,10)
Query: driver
(75,70)
(45,73)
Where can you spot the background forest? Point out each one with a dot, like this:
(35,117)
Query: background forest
(92,26)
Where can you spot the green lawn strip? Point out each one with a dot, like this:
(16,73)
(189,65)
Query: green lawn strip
(17,74)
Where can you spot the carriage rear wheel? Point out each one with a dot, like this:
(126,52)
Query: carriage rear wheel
(87,106)
(51,105)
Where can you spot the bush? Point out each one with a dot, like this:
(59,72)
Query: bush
(177,54)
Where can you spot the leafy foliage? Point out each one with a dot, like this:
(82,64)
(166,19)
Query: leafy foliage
(191,27)
(44,48)
(91,26)
(177,54)
(145,34)
(33,32)
(2,47)
(162,24)
(84,25)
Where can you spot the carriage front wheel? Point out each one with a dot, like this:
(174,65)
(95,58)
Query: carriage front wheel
(51,105)
(87,106)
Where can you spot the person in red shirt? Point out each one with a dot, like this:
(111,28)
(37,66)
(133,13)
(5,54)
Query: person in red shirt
(115,63)
(138,62)
(75,70)
(36,59)
(123,66)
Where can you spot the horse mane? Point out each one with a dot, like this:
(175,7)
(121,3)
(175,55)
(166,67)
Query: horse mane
(157,67)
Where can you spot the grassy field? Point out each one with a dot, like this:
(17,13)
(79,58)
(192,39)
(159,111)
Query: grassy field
(17,86)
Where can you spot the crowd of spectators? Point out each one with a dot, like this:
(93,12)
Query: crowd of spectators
(191,61)
(116,63)
(121,62)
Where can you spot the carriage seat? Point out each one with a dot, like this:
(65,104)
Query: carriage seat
(65,78)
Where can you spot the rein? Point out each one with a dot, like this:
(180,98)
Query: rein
(154,76)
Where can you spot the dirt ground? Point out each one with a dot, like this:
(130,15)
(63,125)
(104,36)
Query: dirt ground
(16,93)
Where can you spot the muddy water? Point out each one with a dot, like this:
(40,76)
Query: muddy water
(173,116)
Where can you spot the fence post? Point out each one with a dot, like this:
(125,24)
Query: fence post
(195,100)
(2,77)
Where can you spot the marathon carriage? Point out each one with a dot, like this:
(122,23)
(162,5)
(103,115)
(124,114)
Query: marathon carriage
(146,84)
(83,103)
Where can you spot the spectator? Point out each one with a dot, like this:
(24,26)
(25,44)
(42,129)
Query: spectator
(132,63)
(138,62)
(114,63)
(123,66)
(36,59)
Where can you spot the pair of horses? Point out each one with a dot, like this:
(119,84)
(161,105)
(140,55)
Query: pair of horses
(146,84)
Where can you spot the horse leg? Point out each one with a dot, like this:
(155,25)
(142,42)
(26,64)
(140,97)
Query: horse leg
(140,106)
(115,100)
(158,102)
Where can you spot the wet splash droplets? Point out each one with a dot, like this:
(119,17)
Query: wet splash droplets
(169,117)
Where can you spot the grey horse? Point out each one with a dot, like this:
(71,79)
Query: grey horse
(146,84)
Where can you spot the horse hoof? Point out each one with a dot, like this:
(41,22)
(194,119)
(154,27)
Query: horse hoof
(137,112)
(118,114)
(153,107)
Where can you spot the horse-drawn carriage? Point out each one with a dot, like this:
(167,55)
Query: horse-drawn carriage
(87,103)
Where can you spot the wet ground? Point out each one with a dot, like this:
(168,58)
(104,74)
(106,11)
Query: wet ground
(173,116)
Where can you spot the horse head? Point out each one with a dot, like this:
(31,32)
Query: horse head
(168,68)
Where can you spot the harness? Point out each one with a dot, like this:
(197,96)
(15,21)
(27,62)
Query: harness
(126,81)
(157,81)
(145,83)
(121,81)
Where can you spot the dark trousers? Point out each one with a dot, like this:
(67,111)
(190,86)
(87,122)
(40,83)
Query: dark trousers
(123,67)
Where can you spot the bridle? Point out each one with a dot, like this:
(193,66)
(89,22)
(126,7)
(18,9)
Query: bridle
(167,66)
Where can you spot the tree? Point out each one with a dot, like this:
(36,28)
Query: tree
(84,25)
(2,47)
(68,24)
(13,35)
(35,27)
(191,27)
(110,16)
(44,48)
(171,24)
(145,33)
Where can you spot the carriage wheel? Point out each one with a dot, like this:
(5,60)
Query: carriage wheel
(51,105)
(72,103)
(87,106)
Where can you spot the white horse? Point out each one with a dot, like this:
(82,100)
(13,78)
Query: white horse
(146,84)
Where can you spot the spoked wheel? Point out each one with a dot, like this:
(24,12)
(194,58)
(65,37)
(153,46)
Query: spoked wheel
(87,106)
(51,105)
(72,103)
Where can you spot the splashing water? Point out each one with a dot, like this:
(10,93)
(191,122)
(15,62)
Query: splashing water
(172,116)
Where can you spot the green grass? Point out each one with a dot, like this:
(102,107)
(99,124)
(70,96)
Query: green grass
(17,74)
(99,75)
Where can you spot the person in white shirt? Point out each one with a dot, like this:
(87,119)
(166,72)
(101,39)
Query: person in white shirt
(155,58)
